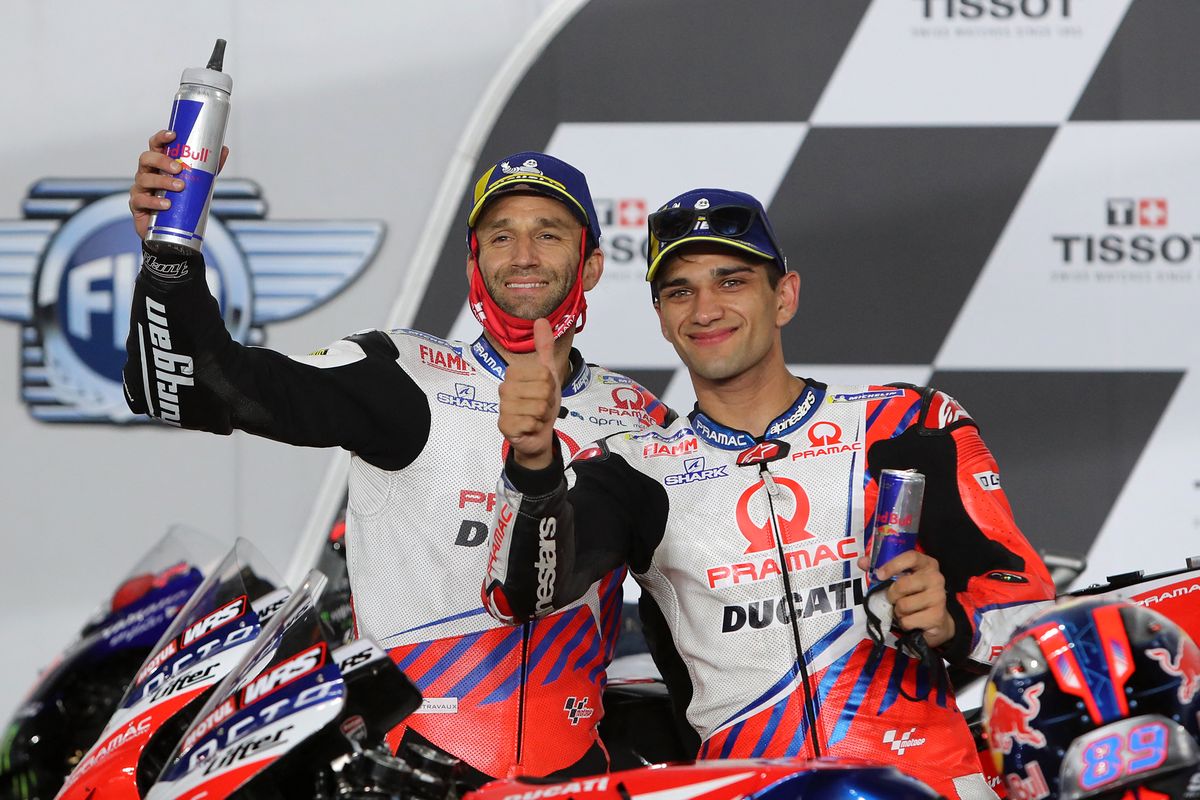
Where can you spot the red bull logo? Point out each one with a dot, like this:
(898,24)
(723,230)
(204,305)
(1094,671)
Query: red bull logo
(1184,664)
(1032,787)
(180,152)
(1009,721)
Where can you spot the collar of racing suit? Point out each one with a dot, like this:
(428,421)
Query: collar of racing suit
(490,359)
(726,438)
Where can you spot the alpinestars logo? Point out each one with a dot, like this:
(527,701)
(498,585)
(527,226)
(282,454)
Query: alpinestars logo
(899,742)
(69,265)
(547,564)
(577,709)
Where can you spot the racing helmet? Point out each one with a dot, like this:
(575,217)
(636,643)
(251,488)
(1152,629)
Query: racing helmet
(1096,698)
(840,779)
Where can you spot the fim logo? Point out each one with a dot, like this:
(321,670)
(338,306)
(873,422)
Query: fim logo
(67,271)
(1144,212)
(577,708)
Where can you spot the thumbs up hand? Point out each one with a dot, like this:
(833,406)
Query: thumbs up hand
(529,401)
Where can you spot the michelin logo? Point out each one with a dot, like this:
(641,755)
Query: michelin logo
(67,271)
(530,166)
(858,397)
(693,470)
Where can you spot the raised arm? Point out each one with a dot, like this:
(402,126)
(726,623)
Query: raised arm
(184,368)
(548,546)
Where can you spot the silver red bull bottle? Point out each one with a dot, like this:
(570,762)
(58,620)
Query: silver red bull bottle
(897,515)
(198,118)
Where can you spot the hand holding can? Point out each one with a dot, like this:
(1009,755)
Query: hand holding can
(897,516)
(198,117)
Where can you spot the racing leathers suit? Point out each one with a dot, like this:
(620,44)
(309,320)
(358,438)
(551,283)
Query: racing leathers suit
(419,417)
(746,549)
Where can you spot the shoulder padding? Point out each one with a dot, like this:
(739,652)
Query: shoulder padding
(375,344)
(940,413)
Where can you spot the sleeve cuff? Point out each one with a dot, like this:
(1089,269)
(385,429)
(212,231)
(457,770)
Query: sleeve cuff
(957,650)
(168,266)
(534,482)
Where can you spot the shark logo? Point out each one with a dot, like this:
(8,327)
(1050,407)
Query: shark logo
(67,271)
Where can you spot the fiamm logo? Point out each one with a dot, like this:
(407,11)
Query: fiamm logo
(67,271)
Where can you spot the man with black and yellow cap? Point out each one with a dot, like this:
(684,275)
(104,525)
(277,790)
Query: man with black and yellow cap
(746,524)
(418,414)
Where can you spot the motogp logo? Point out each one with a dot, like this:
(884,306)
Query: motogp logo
(792,528)
(67,272)
(577,709)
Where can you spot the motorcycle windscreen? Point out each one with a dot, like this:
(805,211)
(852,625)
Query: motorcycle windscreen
(203,644)
(66,709)
(286,688)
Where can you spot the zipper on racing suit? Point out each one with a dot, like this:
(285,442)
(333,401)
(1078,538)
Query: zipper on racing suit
(810,706)
(526,631)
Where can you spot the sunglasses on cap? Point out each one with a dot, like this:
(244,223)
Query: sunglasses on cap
(729,221)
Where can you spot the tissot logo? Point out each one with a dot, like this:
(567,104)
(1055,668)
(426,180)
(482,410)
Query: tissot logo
(1145,212)
(995,9)
(1136,233)
(623,220)
(67,273)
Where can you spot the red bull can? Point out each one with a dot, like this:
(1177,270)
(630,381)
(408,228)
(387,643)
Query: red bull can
(897,515)
(198,118)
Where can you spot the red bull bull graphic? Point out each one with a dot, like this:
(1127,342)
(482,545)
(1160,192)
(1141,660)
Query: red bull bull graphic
(1008,722)
(1184,664)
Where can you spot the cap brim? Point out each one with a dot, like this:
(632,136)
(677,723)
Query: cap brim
(532,183)
(733,244)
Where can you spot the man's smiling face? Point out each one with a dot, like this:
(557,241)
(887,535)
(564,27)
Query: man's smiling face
(529,249)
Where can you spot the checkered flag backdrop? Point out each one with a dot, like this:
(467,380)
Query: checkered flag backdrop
(994,197)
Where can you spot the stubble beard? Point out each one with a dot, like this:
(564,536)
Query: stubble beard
(530,308)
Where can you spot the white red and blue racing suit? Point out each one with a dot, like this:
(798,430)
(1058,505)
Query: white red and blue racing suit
(720,527)
(419,415)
